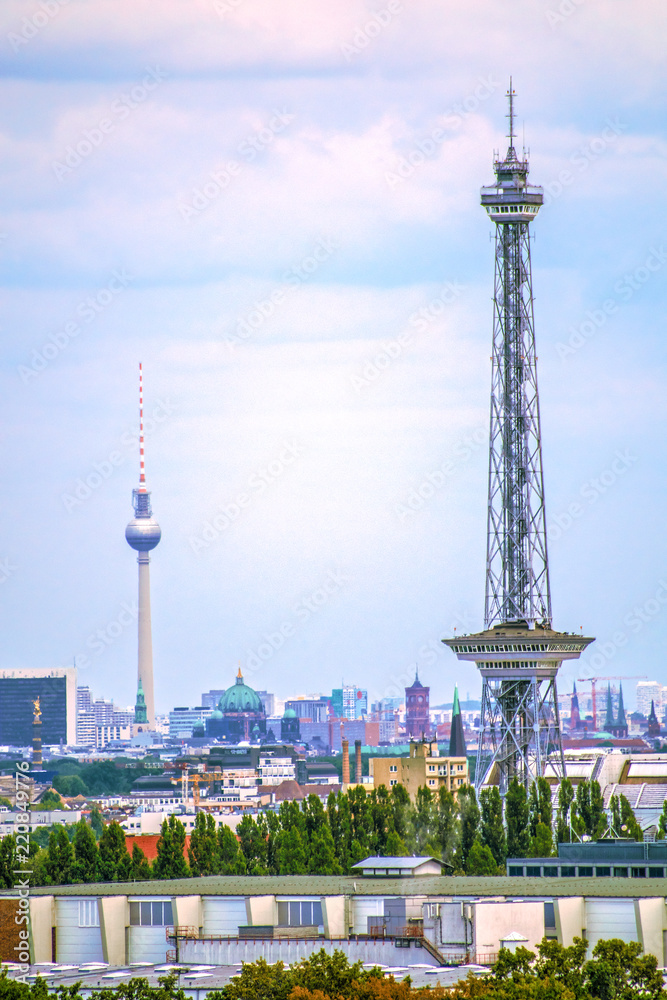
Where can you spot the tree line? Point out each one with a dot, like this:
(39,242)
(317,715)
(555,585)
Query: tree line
(471,836)
(616,971)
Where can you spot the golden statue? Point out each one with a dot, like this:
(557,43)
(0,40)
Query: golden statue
(37,715)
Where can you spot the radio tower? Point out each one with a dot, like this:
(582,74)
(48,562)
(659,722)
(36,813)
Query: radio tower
(518,654)
(143,534)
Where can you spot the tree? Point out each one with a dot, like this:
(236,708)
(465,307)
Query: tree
(96,821)
(115,862)
(662,822)
(170,861)
(480,860)
(618,971)
(203,850)
(254,846)
(565,797)
(425,822)
(69,785)
(590,817)
(8,861)
(540,818)
(232,861)
(448,826)
(86,854)
(322,858)
(516,818)
(140,868)
(623,820)
(291,853)
(492,833)
(50,800)
(469,814)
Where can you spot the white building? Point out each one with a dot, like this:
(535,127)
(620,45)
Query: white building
(182,721)
(274,770)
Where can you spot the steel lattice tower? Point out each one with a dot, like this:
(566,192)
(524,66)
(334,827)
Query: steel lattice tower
(520,652)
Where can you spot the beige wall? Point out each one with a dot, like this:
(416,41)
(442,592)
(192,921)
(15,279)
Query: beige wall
(413,772)
(651,918)
(261,911)
(333,914)
(114,918)
(42,920)
(570,918)
(493,921)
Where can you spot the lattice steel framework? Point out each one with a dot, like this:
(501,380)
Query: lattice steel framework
(518,654)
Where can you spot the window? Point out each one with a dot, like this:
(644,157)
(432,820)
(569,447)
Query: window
(549,915)
(604,870)
(299,913)
(151,913)
(550,871)
(431,781)
(393,767)
(515,870)
(532,871)
(568,872)
(655,872)
(392,782)
(585,871)
(431,767)
(639,873)
(89,915)
(620,872)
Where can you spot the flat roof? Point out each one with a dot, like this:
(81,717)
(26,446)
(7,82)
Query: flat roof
(512,887)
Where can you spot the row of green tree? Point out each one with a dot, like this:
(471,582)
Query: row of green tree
(472,837)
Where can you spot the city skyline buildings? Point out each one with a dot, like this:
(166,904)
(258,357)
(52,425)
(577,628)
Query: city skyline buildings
(410,244)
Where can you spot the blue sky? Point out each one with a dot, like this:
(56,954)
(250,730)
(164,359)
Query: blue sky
(248,197)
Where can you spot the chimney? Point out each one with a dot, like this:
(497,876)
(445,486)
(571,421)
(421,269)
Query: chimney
(357,761)
(346,762)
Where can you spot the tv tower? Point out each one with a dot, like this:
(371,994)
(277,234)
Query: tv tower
(143,534)
(518,654)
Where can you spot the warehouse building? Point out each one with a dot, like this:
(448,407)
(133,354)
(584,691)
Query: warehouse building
(379,917)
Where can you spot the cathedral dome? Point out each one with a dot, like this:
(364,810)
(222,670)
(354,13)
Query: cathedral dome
(240,698)
(289,714)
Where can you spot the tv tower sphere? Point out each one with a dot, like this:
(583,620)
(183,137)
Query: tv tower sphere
(143,533)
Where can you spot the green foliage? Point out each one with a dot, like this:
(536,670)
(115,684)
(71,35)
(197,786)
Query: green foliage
(623,820)
(540,819)
(481,861)
(589,816)
(60,864)
(232,860)
(170,861)
(469,814)
(86,854)
(50,800)
(115,862)
(321,975)
(254,846)
(493,831)
(662,823)
(565,798)
(516,819)
(140,868)
(203,852)
(70,785)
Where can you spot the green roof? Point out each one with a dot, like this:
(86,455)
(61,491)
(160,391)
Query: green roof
(334,885)
(240,698)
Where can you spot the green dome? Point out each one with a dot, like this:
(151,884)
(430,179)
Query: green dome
(240,698)
(289,714)
(215,714)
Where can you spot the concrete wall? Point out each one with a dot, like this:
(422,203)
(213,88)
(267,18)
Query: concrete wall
(651,920)
(114,918)
(570,918)
(288,951)
(261,910)
(42,920)
(493,921)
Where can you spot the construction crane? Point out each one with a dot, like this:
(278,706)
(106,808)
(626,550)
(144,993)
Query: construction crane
(594,680)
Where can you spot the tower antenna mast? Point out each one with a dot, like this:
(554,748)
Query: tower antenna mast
(143,533)
(519,654)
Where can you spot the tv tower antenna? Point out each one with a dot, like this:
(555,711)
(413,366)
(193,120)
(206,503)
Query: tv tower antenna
(518,654)
(143,533)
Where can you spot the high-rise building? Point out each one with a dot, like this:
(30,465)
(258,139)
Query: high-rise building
(417,715)
(647,692)
(518,654)
(56,690)
(268,701)
(143,534)
(84,699)
(575,718)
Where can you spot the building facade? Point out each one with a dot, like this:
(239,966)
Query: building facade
(423,766)
(56,690)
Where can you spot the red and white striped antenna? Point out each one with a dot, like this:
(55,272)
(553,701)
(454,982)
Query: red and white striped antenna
(142,470)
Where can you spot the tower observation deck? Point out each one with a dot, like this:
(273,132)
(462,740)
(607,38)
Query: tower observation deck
(518,654)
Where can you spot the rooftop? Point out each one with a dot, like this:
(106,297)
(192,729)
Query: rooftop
(334,885)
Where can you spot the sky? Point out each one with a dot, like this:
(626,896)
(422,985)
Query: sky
(275,208)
